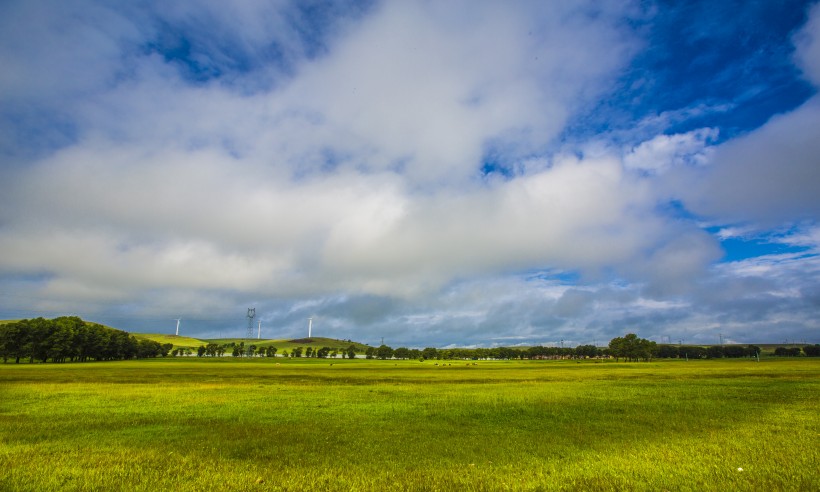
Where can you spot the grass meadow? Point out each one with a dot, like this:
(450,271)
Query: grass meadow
(265,424)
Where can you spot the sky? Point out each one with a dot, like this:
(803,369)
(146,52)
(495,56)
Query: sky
(422,173)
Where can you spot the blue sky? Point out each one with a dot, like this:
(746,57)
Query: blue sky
(433,173)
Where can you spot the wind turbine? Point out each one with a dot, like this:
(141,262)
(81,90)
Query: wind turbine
(178,320)
(259,333)
(310,326)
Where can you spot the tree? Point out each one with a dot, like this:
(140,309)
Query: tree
(402,353)
(667,351)
(632,348)
(734,351)
(61,338)
(429,353)
(787,351)
(714,352)
(384,352)
(812,350)
(323,352)
(40,331)
(351,352)
(586,351)
(13,340)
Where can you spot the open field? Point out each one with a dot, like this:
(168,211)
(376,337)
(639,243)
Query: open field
(227,424)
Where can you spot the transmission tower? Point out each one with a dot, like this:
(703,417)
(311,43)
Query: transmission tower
(251,314)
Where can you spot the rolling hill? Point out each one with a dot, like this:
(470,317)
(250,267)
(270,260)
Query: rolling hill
(280,344)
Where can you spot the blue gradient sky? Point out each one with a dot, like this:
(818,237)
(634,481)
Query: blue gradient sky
(434,173)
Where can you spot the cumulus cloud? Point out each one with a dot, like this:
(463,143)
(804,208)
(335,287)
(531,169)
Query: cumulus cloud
(807,42)
(332,165)
(319,183)
(664,151)
(771,174)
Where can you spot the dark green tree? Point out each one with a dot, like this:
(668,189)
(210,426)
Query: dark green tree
(39,345)
(714,352)
(384,352)
(14,340)
(812,350)
(429,353)
(632,348)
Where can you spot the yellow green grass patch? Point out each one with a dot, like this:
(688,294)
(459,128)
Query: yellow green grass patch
(265,424)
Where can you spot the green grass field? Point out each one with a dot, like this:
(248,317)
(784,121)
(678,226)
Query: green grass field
(265,424)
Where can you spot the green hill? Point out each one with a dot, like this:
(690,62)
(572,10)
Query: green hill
(280,344)
(175,340)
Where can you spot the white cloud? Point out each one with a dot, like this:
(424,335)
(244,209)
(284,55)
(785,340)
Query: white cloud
(360,172)
(341,176)
(768,176)
(664,151)
(807,42)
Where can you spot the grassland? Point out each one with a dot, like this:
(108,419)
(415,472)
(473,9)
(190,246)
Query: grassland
(264,424)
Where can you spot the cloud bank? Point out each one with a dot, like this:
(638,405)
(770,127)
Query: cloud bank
(396,169)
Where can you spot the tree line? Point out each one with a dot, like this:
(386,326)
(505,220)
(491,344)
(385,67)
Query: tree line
(629,348)
(70,339)
(251,350)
